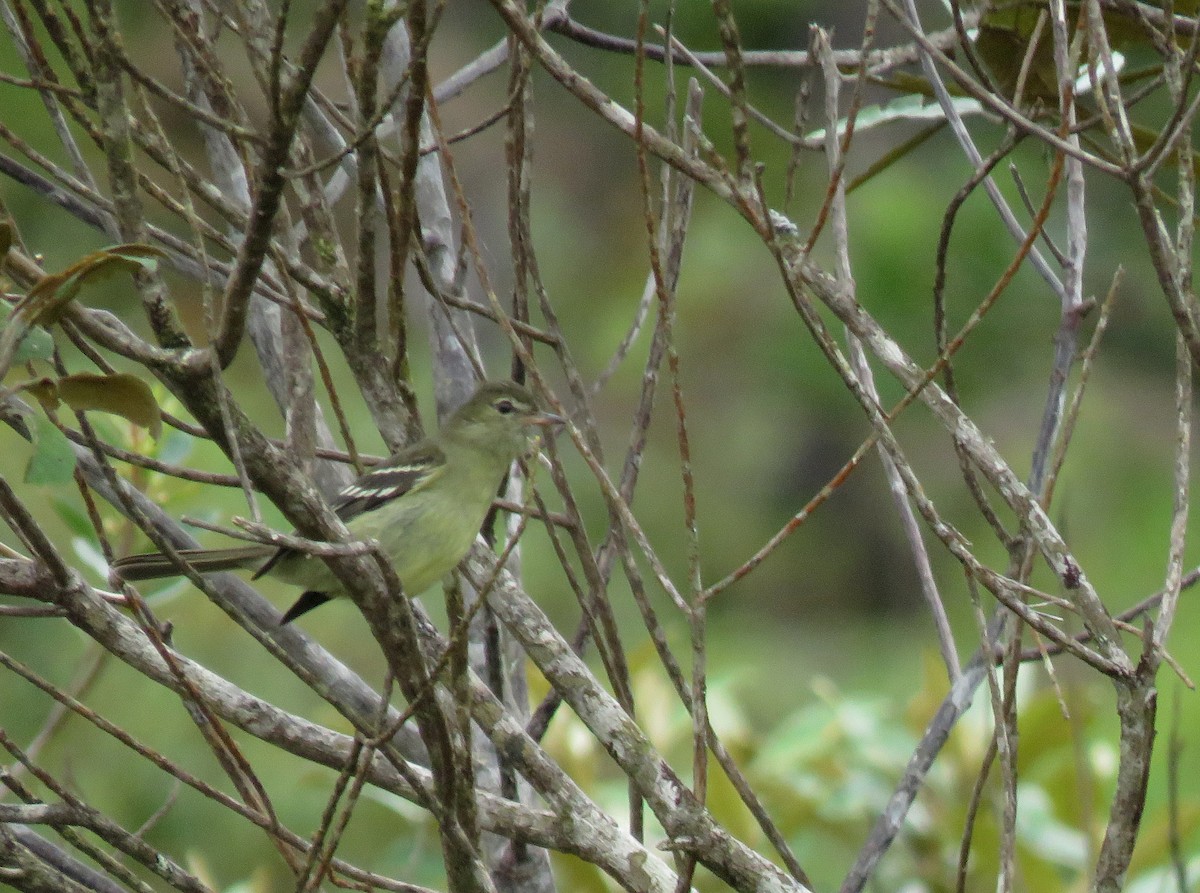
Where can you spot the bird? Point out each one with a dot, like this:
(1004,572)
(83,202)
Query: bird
(424,505)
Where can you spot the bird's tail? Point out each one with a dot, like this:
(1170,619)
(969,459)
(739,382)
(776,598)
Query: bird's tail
(152,565)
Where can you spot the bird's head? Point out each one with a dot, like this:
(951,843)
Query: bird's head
(501,416)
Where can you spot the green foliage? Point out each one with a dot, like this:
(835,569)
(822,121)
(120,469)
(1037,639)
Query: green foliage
(120,394)
(826,769)
(50,296)
(25,339)
(829,757)
(53,459)
(35,343)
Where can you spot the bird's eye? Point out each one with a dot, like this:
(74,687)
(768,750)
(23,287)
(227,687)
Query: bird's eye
(504,407)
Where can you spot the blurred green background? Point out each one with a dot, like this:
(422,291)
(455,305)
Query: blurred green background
(822,661)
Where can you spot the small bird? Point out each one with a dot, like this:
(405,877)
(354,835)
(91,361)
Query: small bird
(424,505)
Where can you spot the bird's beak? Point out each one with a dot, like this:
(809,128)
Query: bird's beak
(545,420)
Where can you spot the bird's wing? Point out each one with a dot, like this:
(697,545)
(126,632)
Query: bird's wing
(408,471)
(405,472)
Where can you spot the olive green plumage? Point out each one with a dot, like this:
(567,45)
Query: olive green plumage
(424,505)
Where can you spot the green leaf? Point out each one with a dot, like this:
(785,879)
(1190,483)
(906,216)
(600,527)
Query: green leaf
(53,460)
(50,296)
(43,390)
(34,344)
(910,107)
(1003,42)
(77,521)
(121,394)
(1042,832)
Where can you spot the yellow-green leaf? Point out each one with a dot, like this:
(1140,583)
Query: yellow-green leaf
(44,390)
(1003,42)
(53,459)
(121,394)
(23,343)
(50,296)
